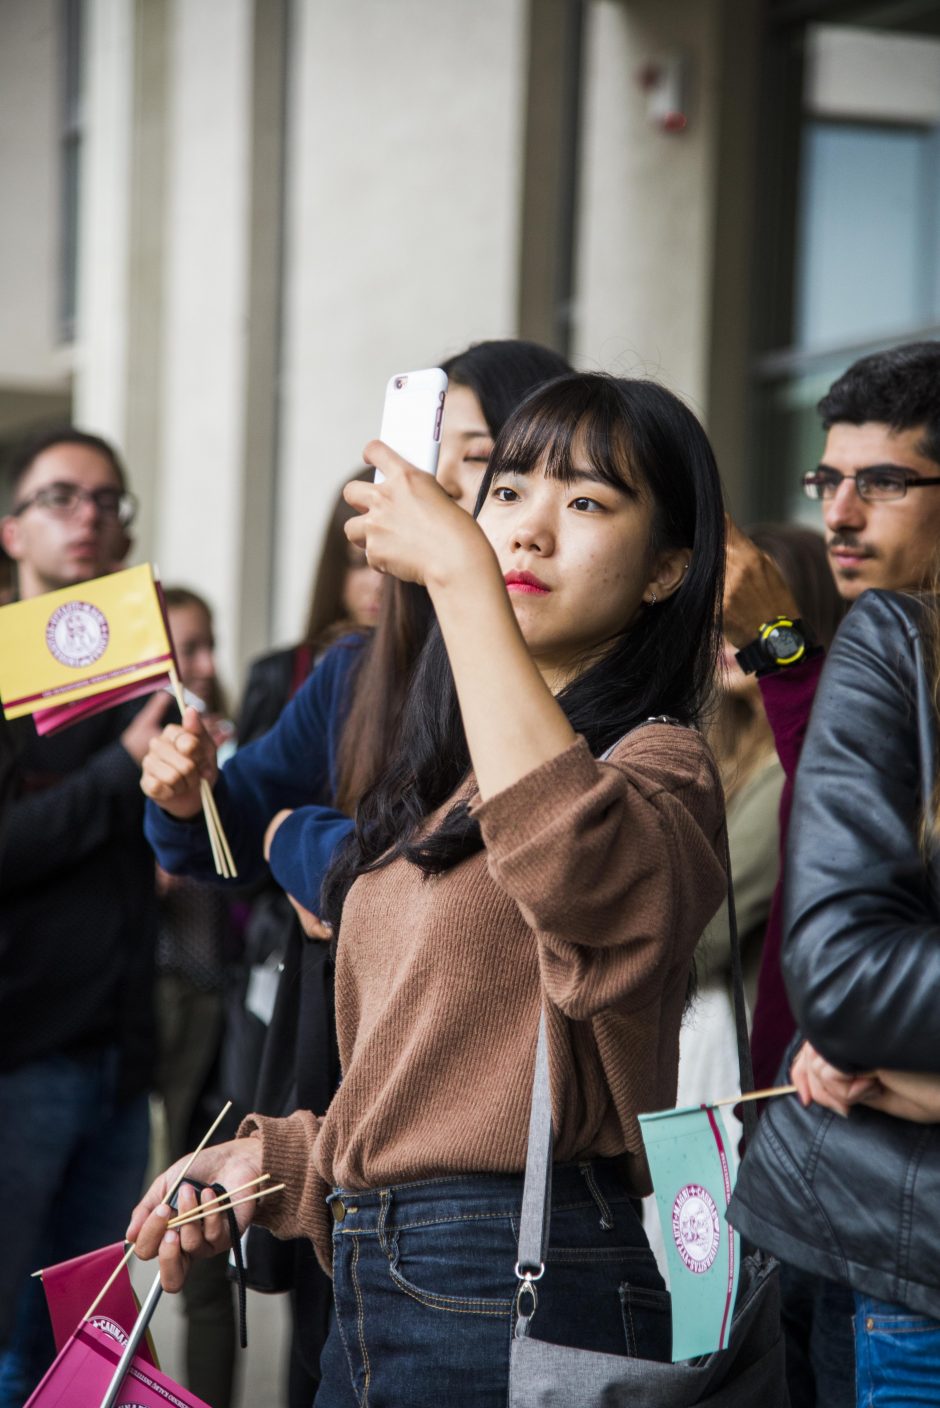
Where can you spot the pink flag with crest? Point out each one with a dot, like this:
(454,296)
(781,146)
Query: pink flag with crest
(83,1370)
(71,1288)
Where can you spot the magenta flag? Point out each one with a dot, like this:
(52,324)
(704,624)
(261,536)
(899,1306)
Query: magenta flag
(71,1287)
(82,1372)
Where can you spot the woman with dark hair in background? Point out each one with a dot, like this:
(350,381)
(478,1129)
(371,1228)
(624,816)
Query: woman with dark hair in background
(333,740)
(501,869)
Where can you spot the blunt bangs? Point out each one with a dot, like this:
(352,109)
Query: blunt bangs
(575,418)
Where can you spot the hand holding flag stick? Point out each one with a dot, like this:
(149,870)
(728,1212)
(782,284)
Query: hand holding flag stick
(221,1204)
(68,654)
(221,852)
(169,1194)
(208,1209)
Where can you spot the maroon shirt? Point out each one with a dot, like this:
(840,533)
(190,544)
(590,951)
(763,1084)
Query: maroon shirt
(788,699)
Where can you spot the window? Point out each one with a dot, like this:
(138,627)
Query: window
(865,241)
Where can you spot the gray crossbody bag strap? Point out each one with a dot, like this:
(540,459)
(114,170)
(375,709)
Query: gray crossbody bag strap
(537,1190)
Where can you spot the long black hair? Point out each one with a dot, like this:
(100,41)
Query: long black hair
(501,372)
(637,436)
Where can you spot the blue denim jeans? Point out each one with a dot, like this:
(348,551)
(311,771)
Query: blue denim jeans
(897,1355)
(424,1286)
(72,1169)
(817,1326)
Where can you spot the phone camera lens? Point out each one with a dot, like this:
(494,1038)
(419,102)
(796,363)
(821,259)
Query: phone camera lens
(399,383)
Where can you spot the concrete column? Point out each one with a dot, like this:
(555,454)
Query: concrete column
(119,323)
(102,320)
(405,161)
(204,531)
(30,230)
(646,217)
(666,220)
(34,369)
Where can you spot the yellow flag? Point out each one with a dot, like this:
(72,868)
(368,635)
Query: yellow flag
(94,639)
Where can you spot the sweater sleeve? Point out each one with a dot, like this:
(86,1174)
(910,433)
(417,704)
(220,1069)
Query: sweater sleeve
(788,700)
(291,766)
(303,847)
(861,954)
(287,1147)
(616,865)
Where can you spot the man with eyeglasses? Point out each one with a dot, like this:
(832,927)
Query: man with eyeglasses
(77,925)
(878,487)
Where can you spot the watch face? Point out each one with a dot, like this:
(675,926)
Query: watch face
(784,642)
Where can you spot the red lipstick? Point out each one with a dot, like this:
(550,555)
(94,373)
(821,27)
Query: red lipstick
(525,582)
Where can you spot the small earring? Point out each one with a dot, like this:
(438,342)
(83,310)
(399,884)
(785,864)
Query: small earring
(652,600)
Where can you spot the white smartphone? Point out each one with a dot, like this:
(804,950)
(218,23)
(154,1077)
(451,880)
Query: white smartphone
(411,419)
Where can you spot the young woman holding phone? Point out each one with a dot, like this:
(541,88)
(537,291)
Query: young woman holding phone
(501,867)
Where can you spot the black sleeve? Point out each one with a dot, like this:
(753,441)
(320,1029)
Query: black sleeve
(7,775)
(267,691)
(861,954)
(53,828)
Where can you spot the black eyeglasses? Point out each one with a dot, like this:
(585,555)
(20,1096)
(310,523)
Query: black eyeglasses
(63,501)
(875,484)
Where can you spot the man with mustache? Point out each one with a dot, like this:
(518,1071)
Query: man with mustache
(878,487)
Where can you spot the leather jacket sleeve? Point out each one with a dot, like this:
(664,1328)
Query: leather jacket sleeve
(861,954)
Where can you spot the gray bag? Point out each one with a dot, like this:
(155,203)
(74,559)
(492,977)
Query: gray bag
(750,1371)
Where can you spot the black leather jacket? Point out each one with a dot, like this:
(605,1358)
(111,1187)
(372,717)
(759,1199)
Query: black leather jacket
(859,1200)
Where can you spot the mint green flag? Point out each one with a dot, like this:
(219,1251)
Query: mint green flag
(692,1183)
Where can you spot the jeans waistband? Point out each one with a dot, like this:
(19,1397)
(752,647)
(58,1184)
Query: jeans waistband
(463,1195)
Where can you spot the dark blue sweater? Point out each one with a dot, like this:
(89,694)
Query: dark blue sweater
(293,765)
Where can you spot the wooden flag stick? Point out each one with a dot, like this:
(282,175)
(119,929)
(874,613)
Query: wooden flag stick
(213,838)
(223,839)
(185,1169)
(769,1094)
(221,852)
(229,1193)
(204,1210)
(205,793)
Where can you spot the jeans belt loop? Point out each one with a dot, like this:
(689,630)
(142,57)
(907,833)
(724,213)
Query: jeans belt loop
(385,1196)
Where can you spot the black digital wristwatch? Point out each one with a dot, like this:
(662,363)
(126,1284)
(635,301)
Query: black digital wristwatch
(782,642)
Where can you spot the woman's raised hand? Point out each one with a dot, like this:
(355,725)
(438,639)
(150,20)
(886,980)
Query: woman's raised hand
(233,1165)
(408,526)
(177,761)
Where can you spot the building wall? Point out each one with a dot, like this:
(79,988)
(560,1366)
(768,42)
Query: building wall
(33,372)
(404,155)
(646,210)
(665,218)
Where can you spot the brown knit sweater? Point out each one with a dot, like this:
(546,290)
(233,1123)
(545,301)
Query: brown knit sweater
(593,890)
